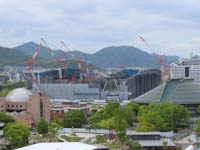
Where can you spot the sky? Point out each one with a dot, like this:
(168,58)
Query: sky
(169,26)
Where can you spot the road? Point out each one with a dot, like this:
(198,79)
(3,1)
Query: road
(183,133)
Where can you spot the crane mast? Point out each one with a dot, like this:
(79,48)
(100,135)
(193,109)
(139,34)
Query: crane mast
(30,69)
(160,59)
(59,61)
(79,61)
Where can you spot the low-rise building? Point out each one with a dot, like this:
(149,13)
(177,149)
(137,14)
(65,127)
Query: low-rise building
(26,107)
(63,146)
(152,140)
(58,109)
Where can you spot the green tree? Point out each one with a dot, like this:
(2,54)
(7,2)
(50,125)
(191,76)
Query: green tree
(135,146)
(174,115)
(153,120)
(181,115)
(197,129)
(146,127)
(198,109)
(42,126)
(111,109)
(5,129)
(5,118)
(98,116)
(54,127)
(74,118)
(17,134)
(58,121)
(129,115)
(94,111)
(141,110)
(120,126)
(106,124)
(133,106)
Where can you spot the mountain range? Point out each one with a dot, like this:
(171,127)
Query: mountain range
(113,56)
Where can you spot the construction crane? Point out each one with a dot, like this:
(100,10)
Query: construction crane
(79,61)
(87,69)
(168,70)
(72,80)
(159,58)
(59,61)
(30,69)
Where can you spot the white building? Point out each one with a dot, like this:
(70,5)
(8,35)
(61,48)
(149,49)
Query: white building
(186,69)
(62,146)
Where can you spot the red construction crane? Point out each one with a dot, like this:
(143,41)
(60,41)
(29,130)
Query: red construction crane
(87,69)
(160,59)
(59,61)
(72,80)
(30,69)
(79,61)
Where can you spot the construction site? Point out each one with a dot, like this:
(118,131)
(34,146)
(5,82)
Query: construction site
(82,84)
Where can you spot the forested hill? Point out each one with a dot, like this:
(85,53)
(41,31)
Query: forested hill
(116,56)
(14,57)
(30,47)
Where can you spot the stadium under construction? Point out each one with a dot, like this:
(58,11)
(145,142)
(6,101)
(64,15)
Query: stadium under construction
(111,86)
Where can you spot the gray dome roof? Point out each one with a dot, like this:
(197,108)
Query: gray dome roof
(18,95)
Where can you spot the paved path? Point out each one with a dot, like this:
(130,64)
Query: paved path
(62,139)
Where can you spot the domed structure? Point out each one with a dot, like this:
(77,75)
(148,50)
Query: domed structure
(18,95)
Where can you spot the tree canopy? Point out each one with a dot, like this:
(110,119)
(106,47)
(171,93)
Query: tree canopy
(42,126)
(17,134)
(197,129)
(54,127)
(135,146)
(5,118)
(162,117)
(74,118)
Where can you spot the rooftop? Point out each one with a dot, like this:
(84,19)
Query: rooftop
(157,143)
(18,95)
(59,146)
(179,91)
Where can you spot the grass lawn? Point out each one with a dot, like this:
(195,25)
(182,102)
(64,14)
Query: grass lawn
(72,138)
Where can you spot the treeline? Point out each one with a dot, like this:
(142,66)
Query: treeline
(153,117)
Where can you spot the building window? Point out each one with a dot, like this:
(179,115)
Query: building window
(16,106)
(8,105)
(20,106)
(12,105)
(1,106)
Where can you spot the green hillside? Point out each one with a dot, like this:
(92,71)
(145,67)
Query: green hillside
(116,56)
(13,57)
(31,46)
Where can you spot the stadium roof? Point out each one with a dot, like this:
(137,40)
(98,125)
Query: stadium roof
(179,91)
